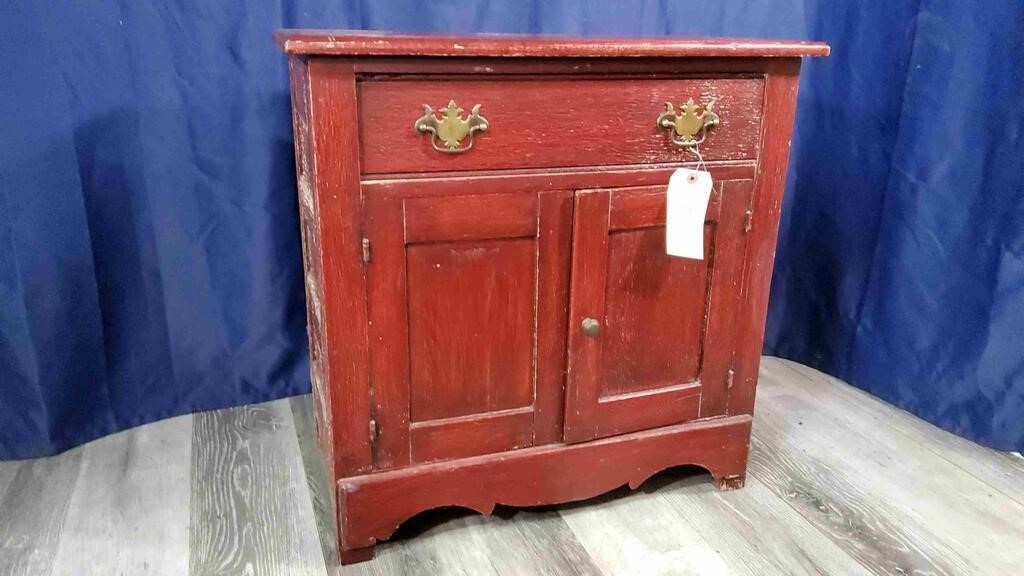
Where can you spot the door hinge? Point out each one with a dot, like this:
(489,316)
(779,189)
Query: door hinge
(729,377)
(748,221)
(373,431)
(366,250)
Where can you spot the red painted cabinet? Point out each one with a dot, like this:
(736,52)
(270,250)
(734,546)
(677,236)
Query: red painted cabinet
(492,314)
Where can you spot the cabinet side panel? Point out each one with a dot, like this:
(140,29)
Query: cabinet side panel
(311,257)
(336,176)
(777,128)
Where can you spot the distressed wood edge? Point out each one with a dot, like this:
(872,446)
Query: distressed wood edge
(725,288)
(371,507)
(335,141)
(572,179)
(766,206)
(312,261)
(387,68)
(378,43)
(554,236)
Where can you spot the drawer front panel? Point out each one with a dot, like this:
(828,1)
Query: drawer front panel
(553,123)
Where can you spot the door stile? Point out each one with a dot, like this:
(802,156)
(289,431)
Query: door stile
(589,278)
(554,243)
(388,333)
(725,297)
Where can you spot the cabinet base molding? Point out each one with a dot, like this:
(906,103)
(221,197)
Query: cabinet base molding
(371,507)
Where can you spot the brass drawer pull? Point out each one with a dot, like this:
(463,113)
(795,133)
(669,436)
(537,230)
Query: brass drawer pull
(687,123)
(451,128)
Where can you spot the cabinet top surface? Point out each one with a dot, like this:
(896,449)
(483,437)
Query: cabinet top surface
(374,43)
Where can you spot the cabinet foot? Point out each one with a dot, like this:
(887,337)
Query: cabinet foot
(356,555)
(731,482)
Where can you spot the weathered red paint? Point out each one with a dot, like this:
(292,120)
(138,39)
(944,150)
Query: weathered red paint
(446,292)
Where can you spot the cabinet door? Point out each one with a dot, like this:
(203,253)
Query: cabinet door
(660,343)
(467,301)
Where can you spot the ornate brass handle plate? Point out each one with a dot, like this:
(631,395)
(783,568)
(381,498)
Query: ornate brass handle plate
(686,124)
(451,128)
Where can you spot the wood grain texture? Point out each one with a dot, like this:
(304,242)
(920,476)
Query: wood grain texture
(375,43)
(955,513)
(848,514)
(486,183)
(586,300)
(312,256)
(471,326)
(459,542)
(1002,471)
(554,220)
(336,174)
(372,506)
(638,533)
(8,470)
(488,433)
(250,508)
(129,510)
(317,481)
(453,297)
(33,510)
(678,524)
(779,111)
(755,531)
(646,367)
(535,67)
(467,319)
(475,217)
(546,545)
(644,207)
(840,483)
(653,320)
(725,295)
(388,315)
(540,127)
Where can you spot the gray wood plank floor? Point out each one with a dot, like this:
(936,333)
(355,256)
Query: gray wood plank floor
(839,483)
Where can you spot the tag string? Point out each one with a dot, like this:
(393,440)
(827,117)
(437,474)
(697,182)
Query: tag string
(700,158)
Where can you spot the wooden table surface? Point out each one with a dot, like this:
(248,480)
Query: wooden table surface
(839,483)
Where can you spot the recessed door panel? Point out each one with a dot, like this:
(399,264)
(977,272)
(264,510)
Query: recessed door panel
(651,299)
(649,336)
(471,335)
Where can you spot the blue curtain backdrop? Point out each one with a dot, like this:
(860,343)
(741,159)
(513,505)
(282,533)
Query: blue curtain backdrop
(149,248)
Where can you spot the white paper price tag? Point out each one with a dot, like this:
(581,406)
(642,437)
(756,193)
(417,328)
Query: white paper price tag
(687,203)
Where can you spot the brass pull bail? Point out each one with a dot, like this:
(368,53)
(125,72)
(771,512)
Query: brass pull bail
(685,124)
(451,128)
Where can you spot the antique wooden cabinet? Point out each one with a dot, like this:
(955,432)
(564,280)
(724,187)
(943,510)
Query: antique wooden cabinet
(492,314)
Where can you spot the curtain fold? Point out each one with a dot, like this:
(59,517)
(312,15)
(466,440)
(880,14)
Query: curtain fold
(149,247)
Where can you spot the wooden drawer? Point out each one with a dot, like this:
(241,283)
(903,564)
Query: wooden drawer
(537,123)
